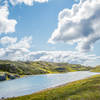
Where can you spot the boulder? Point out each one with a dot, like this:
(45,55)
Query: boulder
(17,76)
(3,77)
(11,77)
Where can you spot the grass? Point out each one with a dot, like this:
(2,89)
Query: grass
(86,89)
(96,69)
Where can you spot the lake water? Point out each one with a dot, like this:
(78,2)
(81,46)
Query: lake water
(35,83)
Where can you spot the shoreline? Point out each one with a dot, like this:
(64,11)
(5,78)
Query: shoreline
(54,87)
(25,76)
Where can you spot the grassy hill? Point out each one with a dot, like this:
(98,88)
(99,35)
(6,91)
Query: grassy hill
(96,69)
(39,67)
(86,89)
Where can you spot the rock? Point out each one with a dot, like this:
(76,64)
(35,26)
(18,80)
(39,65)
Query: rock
(11,76)
(3,77)
(2,98)
(60,69)
(17,76)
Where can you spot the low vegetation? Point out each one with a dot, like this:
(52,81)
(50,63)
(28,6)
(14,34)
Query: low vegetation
(86,89)
(96,69)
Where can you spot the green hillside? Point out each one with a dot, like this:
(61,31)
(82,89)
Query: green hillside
(96,69)
(39,67)
(87,89)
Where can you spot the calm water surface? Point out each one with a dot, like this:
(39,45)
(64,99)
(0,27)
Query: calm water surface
(35,83)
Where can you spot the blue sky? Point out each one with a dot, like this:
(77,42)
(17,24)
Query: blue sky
(39,21)
(37,24)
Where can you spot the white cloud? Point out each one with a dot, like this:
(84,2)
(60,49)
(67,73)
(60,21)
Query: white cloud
(6,25)
(16,50)
(72,57)
(24,44)
(27,2)
(79,25)
(7,40)
(20,51)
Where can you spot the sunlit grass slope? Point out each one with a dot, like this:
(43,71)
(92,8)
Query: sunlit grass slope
(96,69)
(86,89)
(39,67)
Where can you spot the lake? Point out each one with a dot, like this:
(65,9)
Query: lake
(36,83)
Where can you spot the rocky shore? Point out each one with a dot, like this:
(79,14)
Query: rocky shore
(6,76)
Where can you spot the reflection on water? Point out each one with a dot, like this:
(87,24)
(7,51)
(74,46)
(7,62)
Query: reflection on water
(35,83)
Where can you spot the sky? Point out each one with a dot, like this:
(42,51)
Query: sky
(50,30)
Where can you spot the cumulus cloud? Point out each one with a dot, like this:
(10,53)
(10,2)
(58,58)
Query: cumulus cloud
(6,25)
(23,44)
(16,50)
(62,56)
(27,2)
(20,51)
(7,40)
(79,25)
